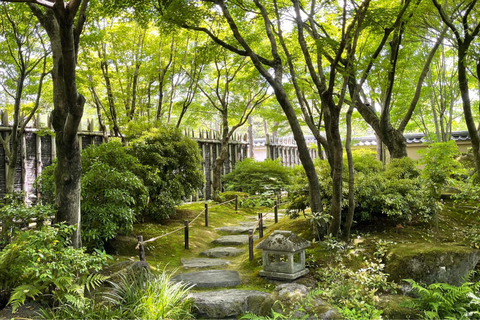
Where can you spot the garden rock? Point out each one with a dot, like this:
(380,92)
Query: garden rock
(28,310)
(431,263)
(234,240)
(221,252)
(203,263)
(210,278)
(227,303)
(122,245)
(291,300)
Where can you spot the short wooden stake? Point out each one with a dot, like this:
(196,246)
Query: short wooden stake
(236,202)
(275,210)
(206,214)
(186,234)
(141,248)
(250,245)
(260,225)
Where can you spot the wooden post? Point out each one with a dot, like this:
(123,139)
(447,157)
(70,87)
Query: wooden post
(250,244)
(141,248)
(275,210)
(206,214)
(236,202)
(186,234)
(260,225)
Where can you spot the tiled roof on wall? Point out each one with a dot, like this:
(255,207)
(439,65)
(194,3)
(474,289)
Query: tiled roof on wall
(362,141)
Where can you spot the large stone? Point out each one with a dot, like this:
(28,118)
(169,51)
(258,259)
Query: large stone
(429,263)
(203,263)
(210,278)
(221,252)
(234,229)
(234,240)
(227,303)
(123,246)
(292,300)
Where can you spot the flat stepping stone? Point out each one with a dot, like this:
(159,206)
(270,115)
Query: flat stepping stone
(210,278)
(250,225)
(221,252)
(229,303)
(203,263)
(271,216)
(234,240)
(234,229)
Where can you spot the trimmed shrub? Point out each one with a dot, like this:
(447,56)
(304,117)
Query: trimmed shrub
(171,169)
(257,177)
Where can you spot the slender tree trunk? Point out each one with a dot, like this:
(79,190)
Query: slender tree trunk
(467,109)
(351,178)
(251,153)
(332,116)
(217,169)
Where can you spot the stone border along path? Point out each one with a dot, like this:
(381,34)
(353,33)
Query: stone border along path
(212,304)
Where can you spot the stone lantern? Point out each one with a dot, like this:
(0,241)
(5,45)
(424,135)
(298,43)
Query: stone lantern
(283,255)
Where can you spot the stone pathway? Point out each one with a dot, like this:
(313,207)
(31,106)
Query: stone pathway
(222,303)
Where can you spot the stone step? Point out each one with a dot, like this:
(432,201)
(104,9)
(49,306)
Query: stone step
(221,252)
(249,224)
(234,229)
(269,217)
(203,263)
(229,303)
(234,240)
(210,278)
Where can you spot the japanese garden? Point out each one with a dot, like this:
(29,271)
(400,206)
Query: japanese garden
(217,159)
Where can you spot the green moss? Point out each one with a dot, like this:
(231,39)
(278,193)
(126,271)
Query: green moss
(392,309)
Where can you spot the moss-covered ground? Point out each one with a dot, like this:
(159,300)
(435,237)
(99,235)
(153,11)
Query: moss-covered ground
(370,242)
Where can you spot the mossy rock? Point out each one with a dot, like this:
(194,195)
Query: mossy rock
(123,246)
(429,263)
(392,308)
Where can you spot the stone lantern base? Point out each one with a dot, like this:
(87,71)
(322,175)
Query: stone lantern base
(283,276)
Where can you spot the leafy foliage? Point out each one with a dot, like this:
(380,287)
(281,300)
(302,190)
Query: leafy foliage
(14,208)
(108,177)
(137,295)
(440,165)
(42,264)
(152,296)
(395,191)
(171,168)
(444,301)
(256,177)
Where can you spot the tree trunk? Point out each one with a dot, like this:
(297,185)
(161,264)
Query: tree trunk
(251,154)
(332,116)
(217,168)
(467,109)
(351,178)
(66,117)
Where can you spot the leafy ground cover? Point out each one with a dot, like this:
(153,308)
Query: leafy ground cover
(351,276)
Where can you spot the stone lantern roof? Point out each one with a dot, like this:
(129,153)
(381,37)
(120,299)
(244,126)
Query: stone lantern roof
(286,241)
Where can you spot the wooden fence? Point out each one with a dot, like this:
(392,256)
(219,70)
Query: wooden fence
(37,151)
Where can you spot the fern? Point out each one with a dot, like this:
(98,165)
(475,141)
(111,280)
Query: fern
(94,280)
(444,301)
(22,292)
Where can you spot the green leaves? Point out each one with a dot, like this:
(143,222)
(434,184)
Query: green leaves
(445,301)
(171,168)
(41,264)
(258,177)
